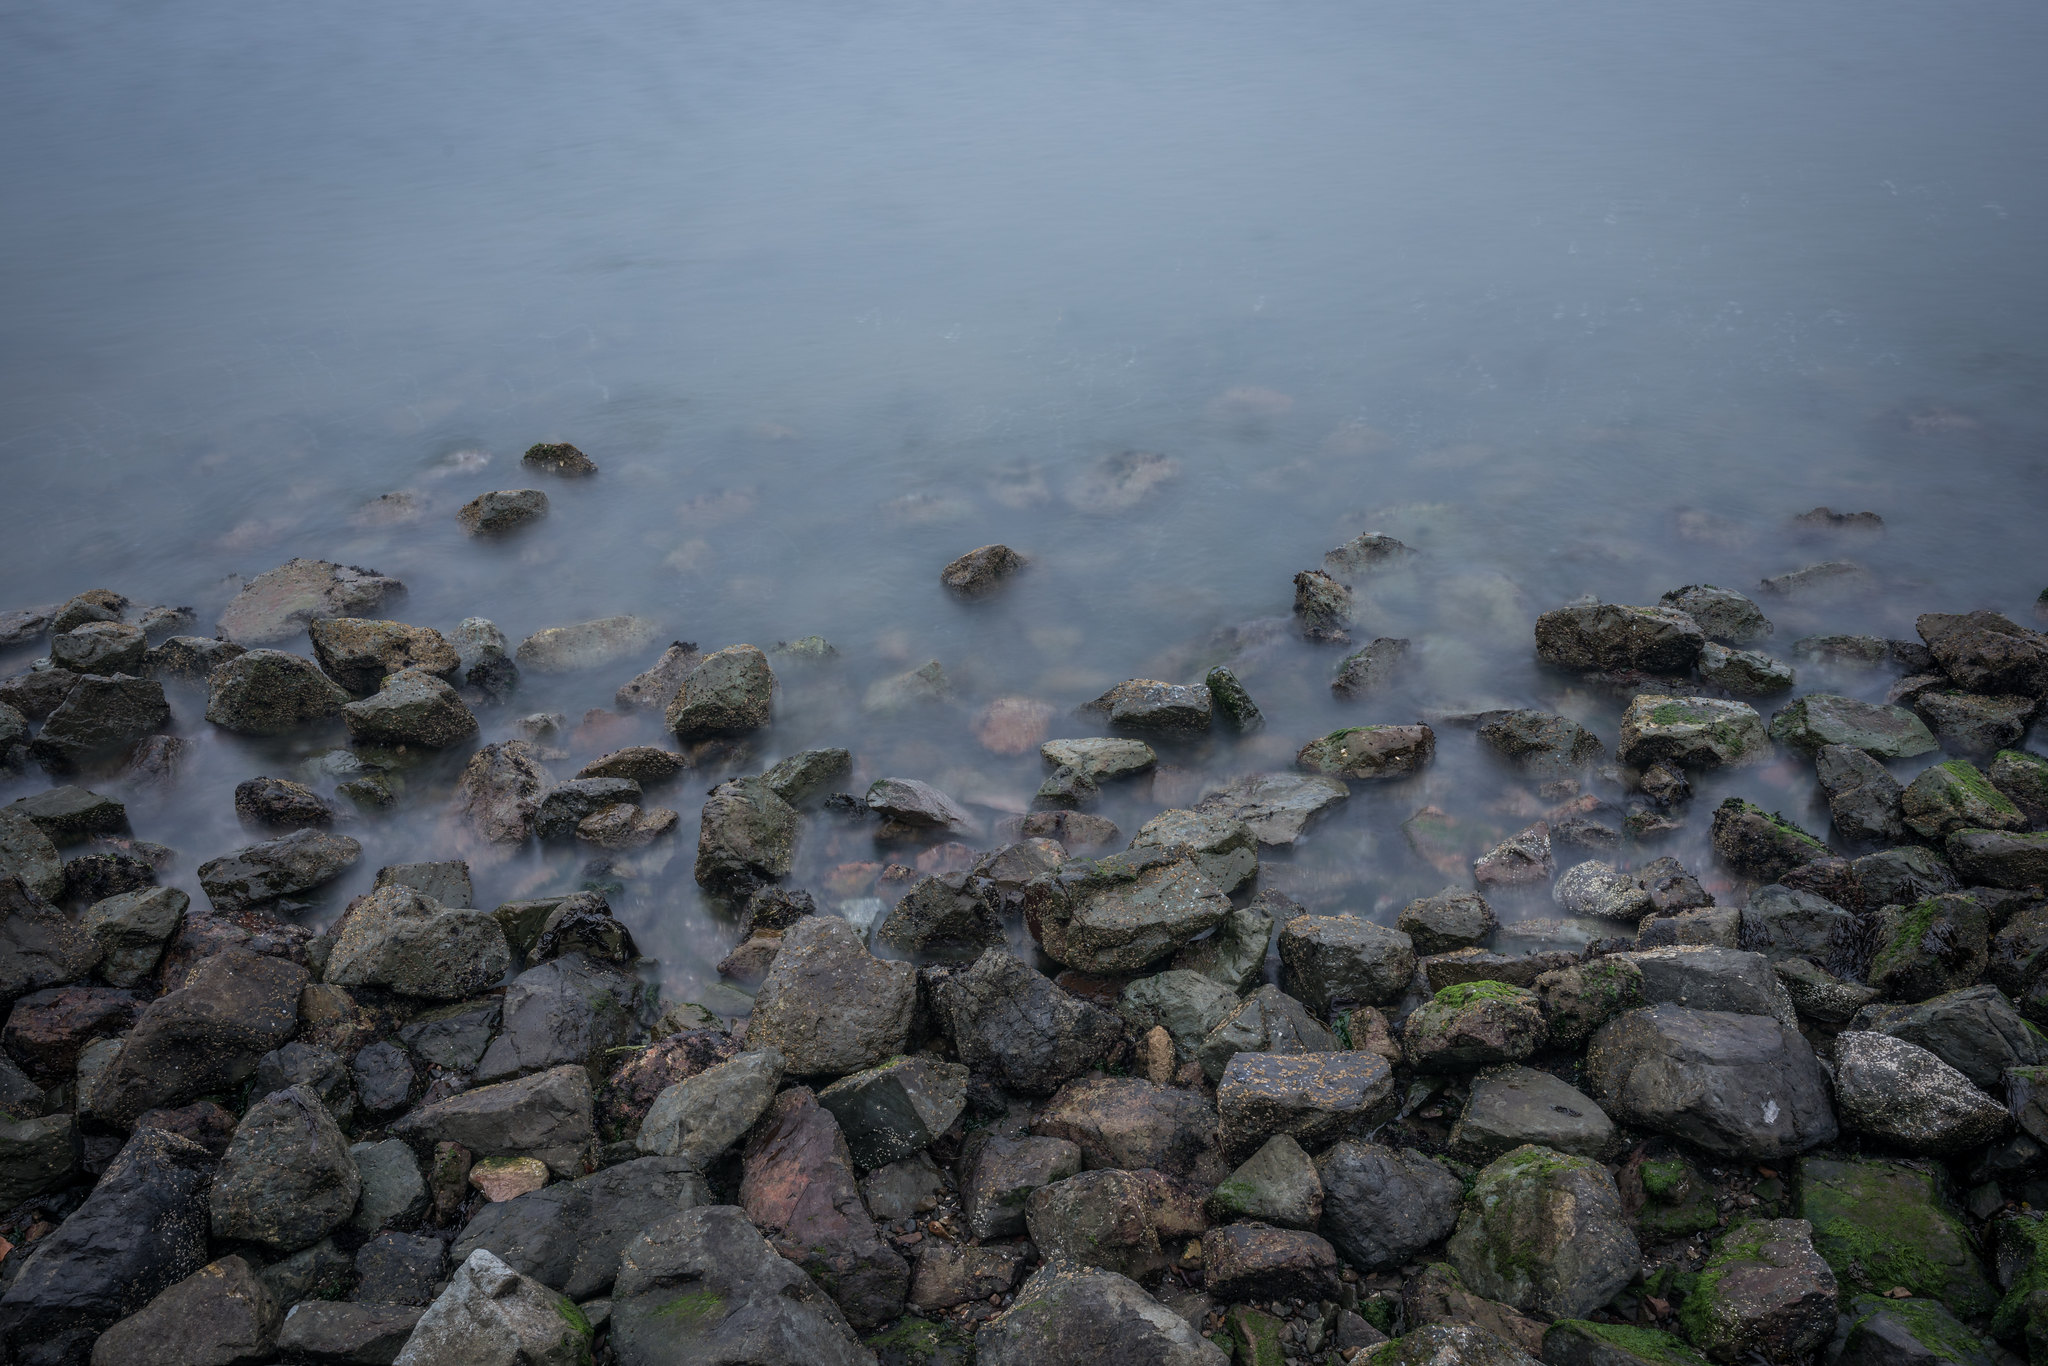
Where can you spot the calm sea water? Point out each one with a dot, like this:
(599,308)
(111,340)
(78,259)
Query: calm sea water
(1585,297)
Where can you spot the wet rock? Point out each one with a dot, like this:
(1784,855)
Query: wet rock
(96,876)
(1278,807)
(1907,1097)
(1520,860)
(1828,719)
(1953,796)
(205,1036)
(1746,673)
(1318,1098)
(1818,995)
(558,458)
(1999,859)
(585,644)
(583,923)
(487,514)
(565,1011)
(270,692)
(981,571)
(1008,1020)
(1452,919)
(1594,889)
(280,804)
(1782,922)
(903,1189)
(284,601)
(747,835)
(1146,704)
(1987,653)
(1761,844)
(1275,1185)
(1722,613)
(1221,847)
(1267,1021)
(799,1190)
(804,775)
(1973,725)
(1186,1004)
(943,915)
(1882,1224)
(453,1036)
(500,791)
(1541,744)
(319,1070)
(221,1315)
(141,1230)
(493,1316)
(1694,732)
(1911,1332)
(829,1005)
(1255,1261)
(384,1078)
(100,647)
(399,1268)
(948,1274)
(1071,1315)
(918,806)
(1235,953)
(1372,670)
(37,1153)
(1739,1085)
(1329,958)
(25,626)
(1125,1123)
(446,881)
(641,764)
(704,1286)
(1473,1024)
(287,1180)
(28,853)
(1764,1293)
(1827,581)
(1606,637)
(35,693)
(359,654)
(14,735)
(486,658)
(1323,607)
(99,718)
(547,1115)
(318,1331)
(892,1111)
(1099,1219)
(1708,978)
(1900,877)
(920,687)
(393,1188)
(409,943)
(566,804)
(1511,1106)
(1229,700)
(1544,1231)
(189,657)
(1364,553)
(569,1235)
(1126,911)
(1382,1207)
(999,1174)
(655,688)
(729,692)
(1936,945)
(1862,796)
(698,1118)
(1365,752)
(412,708)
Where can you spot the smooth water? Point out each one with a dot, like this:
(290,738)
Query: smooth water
(1582,297)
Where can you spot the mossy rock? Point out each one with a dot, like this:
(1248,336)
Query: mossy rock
(2020,1246)
(1882,1224)
(1883,1331)
(1581,1342)
(912,1341)
(1936,945)
(1955,796)
(1762,844)
(1677,1202)
(1255,1336)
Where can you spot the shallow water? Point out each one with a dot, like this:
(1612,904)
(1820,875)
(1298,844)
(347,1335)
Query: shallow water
(1583,298)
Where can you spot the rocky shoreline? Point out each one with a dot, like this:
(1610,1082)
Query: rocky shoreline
(1790,1107)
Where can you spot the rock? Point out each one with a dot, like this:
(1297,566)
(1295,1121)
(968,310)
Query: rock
(98,719)
(1372,670)
(1382,1207)
(799,1190)
(889,1112)
(269,692)
(447,882)
(412,708)
(1827,581)
(566,1010)
(1328,958)
(1987,653)
(1228,699)
(1520,860)
(393,1188)
(948,1274)
(493,1316)
(318,1331)
(568,803)
(1973,725)
(1451,1344)
(96,876)
(1782,922)
(705,1287)
(39,945)
(1746,673)
(941,915)
(1910,1332)
(1544,1231)
(1828,719)
(1186,1004)
(583,923)
(1702,977)
(37,1153)
(1739,1085)
(1605,637)
(1473,1024)
(280,603)
(1126,911)
(747,835)
(698,1118)
(141,1230)
(1277,807)
(1936,945)
(100,647)
(320,1070)
(1541,745)
(360,654)
(453,1036)
(1221,846)
(547,1115)
(1862,796)
(804,775)
(1759,844)
(28,853)
(902,1190)
(1319,1098)
(981,571)
(1694,732)
(1008,1020)
(558,458)
(569,1236)
(398,1268)
(409,943)
(1267,1021)
(1452,919)
(1234,954)
(585,644)
(204,1036)
(1438,1296)
(487,514)
(1954,796)
(1125,1123)
(2000,859)
(829,1005)
(1511,1106)
(287,1180)
(1275,1185)
(730,692)
(1594,889)
(25,627)
(280,804)
(220,1315)
(1099,1219)
(1146,704)
(998,1176)
(1365,752)
(500,791)
(1882,1224)
(1764,1292)
(189,657)
(1255,1261)
(917,806)
(285,866)
(1904,1095)
(1071,1315)
(1722,613)
(1577,1000)
(1974,1030)
(1323,606)
(920,687)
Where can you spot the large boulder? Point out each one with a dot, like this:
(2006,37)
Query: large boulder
(500,791)
(1863,796)
(1821,719)
(1903,1095)
(27,852)
(409,943)
(1882,1224)
(287,1180)
(1908,1332)
(1545,1231)
(703,1288)
(799,1190)
(730,692)
(1253,1261)
(1073,1315)
(1692,732)
(414,707)
(1940,944)
(220,1315)
(270,692)
(1956,796)
(1185,1004)
(343,1332)
(747,836)
(1764,1292)
(1739,1085)
(280,603)
(1008,1020)
(99,718)
(566,1010)
(285,866)
(1331,958)
(1124,912)
(100,647)
(490,1315)
(39,945)
(1278,807)
(1318,1098)
(547,1115)
(1987,653)
(1606,637)
(828,1005)
(2000,859)
(359,653)
(1362,753)
(568,1236)
(1974,725)
(1126,1123)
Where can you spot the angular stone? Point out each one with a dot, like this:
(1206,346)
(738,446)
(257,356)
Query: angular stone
(1319,1098)
(346,1334)
(409,943)
(489,514)
(1277,807)
(1275,1185)
(585,644)
(998,1174)
(1221,846)
(1722,613)
(1328,958)
(1371,670)
(1595,890)
(1760,844)
(1908,1098)
(1511,1106)
(1234,954)
(453,1036)
(1522,859)
(1070,1315)
(1099,1219)
(891,1111)
(1257,1262)
(1764,1292)
(1746,673)
(285,866)
(39,945)
(280,603)
(1233,703)
(1006,1019)
(1452,1344)
(1607,637)
(1703,977)
(287,1180)
(1881,1224)
(98,719)
(568,1236)
(69,814)
(493,1316)
(220,1315)
(1974,1030)
(566,1010)
(320,1070)
(37,1154)
(1365,752)
(1693,732)
(547,1115)
(946,915)
(1882,732)
(1987,653)
(1581,998)
(698,1118)
(393,1188)
(1186,1004)
(1544,1231)
(2000,859)
(1473,1024)
(1541,745)
(1124,912)
(1267,1021)
(748,834)
(1125,1123)
(1936,945)
(1910,1332)
(412,708)
(359,654)
(28,853)
(1782,922)
(399,1268)
(1382,1207)
(1452,919)
(1862,796)
(270,692)
(500,791)
(730,692)
(1974,725)
(1954,796)
(558,458)
(829,1005)
(948,1274)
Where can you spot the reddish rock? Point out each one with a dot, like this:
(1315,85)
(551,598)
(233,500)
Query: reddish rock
(1259,1262)
(949,1274)
(1127,1123)
(47,1028)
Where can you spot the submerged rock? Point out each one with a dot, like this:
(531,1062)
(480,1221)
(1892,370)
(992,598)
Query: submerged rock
(500,791)
(585,644)
(1543,745)
(413,707)
(981,571)
(1277,807)
(359,654)
(1365,752)
(1828,719)
(1372,670)
(558,458)
(729,692)
(284,601)
(1694,732)
(488,514)
(98,719)
(1606,637)
(285,866)
(269,692)
(1722,613)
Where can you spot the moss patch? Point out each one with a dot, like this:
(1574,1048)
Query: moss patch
(1647,1344)
(1461,994)
(693,1307)
(1880,1224)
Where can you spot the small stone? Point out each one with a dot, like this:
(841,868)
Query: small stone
(1229,700)
(558,458)
(360,655)
(1829,719)
(487,514)
(1520,860)
(1367,752)
(1511,1106)
(1323,606)
(1381,1207)
(270,692)
(729,692)
(491,1314)
(1594,889)
(504,1178)
(1473,1024)
(981,571)
(1275,1185)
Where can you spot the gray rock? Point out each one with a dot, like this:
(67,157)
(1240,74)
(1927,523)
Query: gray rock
(1522,859)
(1901,877)
(1759,844)
(1937,945)
(360,654)
(748,834)
(412,708)
(1738,1085)
(280,804)
(383,1076)
(730,692)
(918,806)
(1692,732)
(1722,613)
(1072,1315)
(698,1118)
(1713,979)
(453,1036)
(547,1115)
(1234,954)
(189,657)
(1882,732)
(703,1288)
(500,791)
(1452,1344)
(1006,1019)
(1323,606)
(490,1315)
(1228,699)
(1267,1021)
(399,1268)
(891,1111)
(947,914)
(1971,724)
(39,945)
(1606,637)
(487,514)
(1955,795)
(1782,922)
(1819,995)
(1146,704)
(1366,752)
(320,1070)
(829,1005)
(1099,1219)
(287,1180)
(998,1174)
(285,866)
(1546,1232)
(1862,796)
(409,943)
(446,882)
(1541,744)
(804,775)
(558,458)
(1998,859)
(36,692)
(27,852)
(1914,1332)
(1904,1095)
(1319,1098)
(270,692)
(1125,1123)
(902,1189)
(1221,846)
(1594,889)
(1372,670)
(1765,1294)
(1975,1030)
(346,1334)
(393,1188)
(569,1235)
(585,644)
(566,1010)
(1277,807)
(1982,651)
(1275,1185)
(1473,1024)
(1382,1207)
(98,719)
(1746,673)
(1186,1004)
(284,601)
(1329,958)
(1124,912)
(655,688)
(1510,1106)
(100,647)
(220,1315)
(923,686)
(37,1154)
